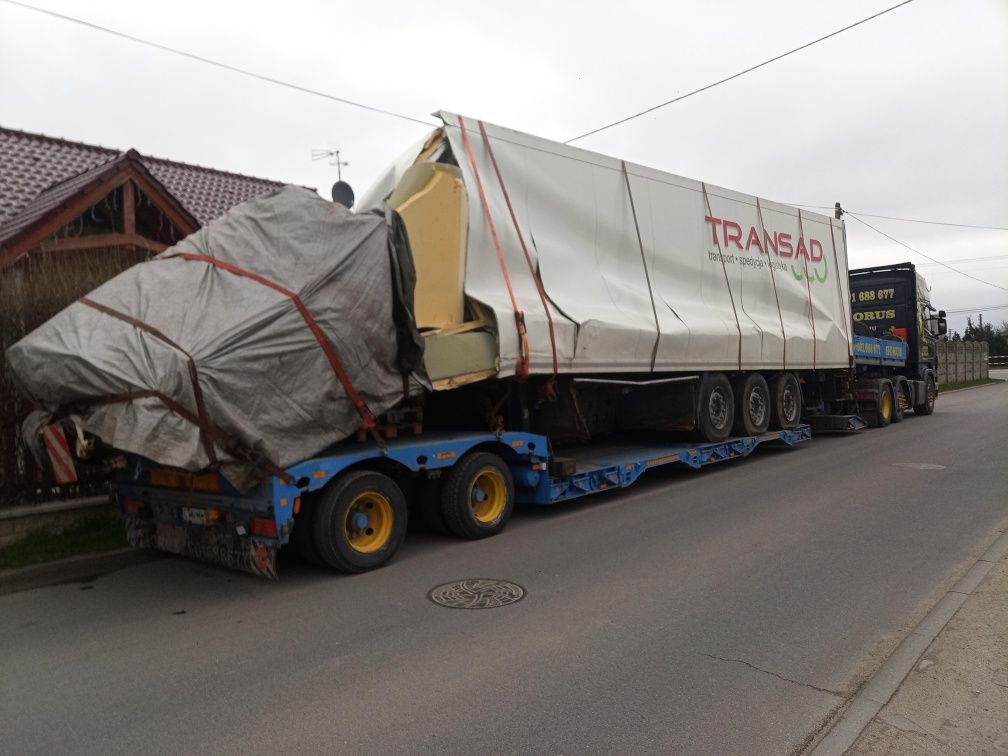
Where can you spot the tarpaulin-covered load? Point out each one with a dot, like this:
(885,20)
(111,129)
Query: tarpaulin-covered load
(640,270)
(271,333)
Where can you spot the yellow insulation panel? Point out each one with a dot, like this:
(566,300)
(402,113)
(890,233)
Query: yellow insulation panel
(432,201)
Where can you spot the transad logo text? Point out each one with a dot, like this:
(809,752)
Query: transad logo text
(781,244)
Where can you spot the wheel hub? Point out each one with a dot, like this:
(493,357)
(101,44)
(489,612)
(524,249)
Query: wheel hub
(717,408)
(488,495)
(757,408)
(368,523)
(788,404)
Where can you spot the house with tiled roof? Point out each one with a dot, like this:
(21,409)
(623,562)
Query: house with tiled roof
(46,184)
(72,216)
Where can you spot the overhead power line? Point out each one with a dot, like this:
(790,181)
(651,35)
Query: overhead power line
(736,75)
(219,64)
(918,252)
(936,223)
(907,220)
(976,309)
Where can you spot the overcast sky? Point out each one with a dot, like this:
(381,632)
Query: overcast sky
(906,115)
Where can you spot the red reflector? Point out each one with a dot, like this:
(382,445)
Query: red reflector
(263,527)
(133,506)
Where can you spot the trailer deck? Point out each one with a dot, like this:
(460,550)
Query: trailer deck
(601,467)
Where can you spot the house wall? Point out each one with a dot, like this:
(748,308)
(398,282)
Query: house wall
(32,290)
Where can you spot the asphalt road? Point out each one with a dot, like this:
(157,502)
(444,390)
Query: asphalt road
(730,610)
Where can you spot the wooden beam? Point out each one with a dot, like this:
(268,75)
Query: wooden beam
(183,224)
(129,209)
(73,206)
(59,217)
(96,241)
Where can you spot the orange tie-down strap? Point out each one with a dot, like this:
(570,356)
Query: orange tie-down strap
(551,387)
(367,419)
(808,288)
(193,376)
(522,366)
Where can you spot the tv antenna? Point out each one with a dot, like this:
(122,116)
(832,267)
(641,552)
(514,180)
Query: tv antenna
(334,159)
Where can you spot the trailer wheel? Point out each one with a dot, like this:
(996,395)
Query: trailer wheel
(303,536)
(477,496)
(752,405)
(930,395)
(902,391)
(886,404)
(716,408)
(785,402)
(360,521)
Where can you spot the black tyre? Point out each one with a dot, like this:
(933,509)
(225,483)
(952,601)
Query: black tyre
(902,404)
(427,505)
(303,536)
(360,521)
(785,402)
(477,497)
(930,395)
(752,405)
(715,408)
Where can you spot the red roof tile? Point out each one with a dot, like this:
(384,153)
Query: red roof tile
(49,200)
(32,163)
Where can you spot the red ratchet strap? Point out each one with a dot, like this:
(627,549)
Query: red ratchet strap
(522,366)
(773,279)
(731,297)
(193,377)
(808,286)
(362,409)
(551,387)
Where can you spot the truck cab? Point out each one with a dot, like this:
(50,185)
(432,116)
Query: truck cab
(894,302)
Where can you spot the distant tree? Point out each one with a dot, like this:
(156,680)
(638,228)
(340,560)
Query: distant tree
(996,338)
(955,336)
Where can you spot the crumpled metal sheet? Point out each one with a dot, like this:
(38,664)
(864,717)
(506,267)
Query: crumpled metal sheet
(644,270)
(264,379)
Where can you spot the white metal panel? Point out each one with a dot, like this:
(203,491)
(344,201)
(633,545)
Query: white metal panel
(485,281)
(734,282)
(697,325)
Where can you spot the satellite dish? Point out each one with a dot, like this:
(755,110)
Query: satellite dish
(342,194)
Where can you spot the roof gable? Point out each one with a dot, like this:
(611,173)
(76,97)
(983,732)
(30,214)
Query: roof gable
(31,164)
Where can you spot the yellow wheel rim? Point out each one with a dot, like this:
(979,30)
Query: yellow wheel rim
(886,404)
(368,523)
(488,495)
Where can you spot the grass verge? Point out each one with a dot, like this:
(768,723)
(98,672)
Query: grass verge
(969,384)
(89,536)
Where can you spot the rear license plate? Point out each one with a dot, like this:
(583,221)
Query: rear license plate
(194,516)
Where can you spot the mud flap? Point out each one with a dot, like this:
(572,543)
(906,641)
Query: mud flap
(245,554)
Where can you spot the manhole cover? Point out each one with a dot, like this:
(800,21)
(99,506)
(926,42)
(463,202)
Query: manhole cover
(476,593)
(919,465)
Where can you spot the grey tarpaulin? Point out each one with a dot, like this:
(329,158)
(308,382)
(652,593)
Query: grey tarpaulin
(264,379)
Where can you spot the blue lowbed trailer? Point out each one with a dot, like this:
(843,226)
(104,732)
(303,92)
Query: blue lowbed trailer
(347,507)
(200,515)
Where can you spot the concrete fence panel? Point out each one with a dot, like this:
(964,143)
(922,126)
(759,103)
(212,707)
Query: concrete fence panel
(962,361)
